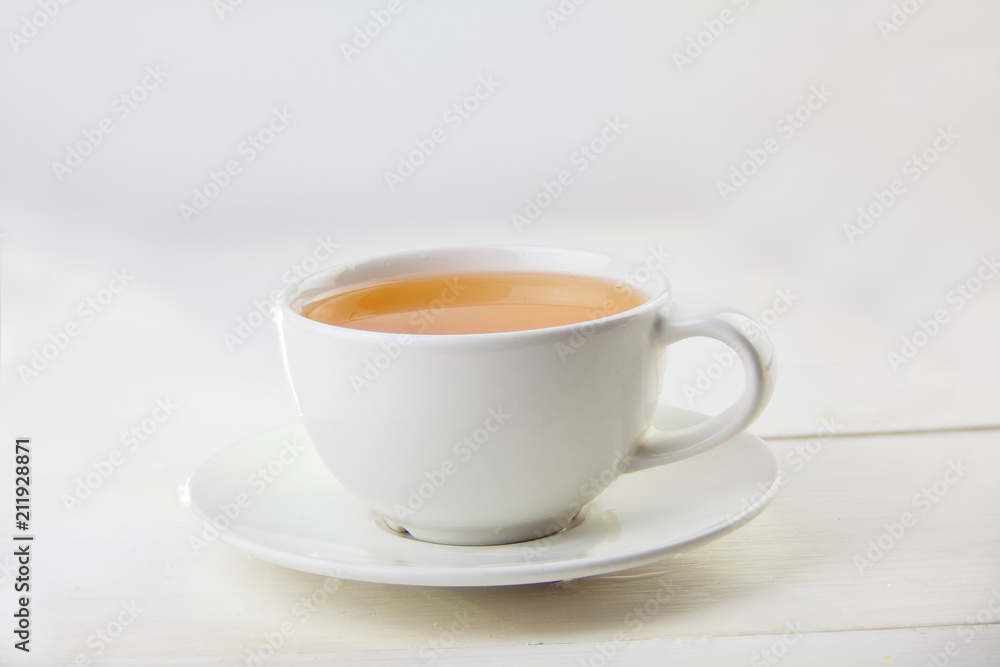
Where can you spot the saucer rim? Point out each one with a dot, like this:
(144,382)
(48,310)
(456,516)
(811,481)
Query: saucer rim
(507,574)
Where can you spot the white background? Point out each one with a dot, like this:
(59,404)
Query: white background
(323,177)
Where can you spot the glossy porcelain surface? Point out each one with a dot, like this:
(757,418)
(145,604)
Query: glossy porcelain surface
(497,438)
(306,521)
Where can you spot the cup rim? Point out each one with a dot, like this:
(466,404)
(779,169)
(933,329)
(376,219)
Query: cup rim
(655,300)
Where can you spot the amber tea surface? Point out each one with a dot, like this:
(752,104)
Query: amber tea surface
(480,302)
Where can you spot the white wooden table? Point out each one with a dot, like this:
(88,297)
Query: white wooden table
(883,546)
(828,574)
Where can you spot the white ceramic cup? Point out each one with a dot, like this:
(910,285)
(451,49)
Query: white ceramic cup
(494,438)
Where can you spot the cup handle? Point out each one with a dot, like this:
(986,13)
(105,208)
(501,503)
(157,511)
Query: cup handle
(750,342)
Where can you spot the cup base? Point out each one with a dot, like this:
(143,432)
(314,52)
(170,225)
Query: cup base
(483,537)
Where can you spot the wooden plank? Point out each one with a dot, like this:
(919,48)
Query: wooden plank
(977,646)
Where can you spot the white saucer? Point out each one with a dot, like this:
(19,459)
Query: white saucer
(304,520)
